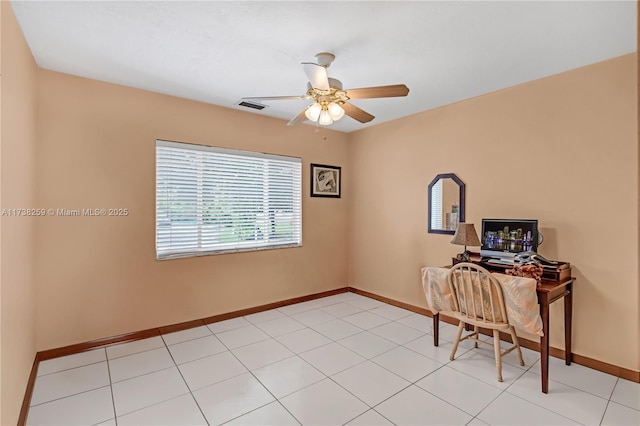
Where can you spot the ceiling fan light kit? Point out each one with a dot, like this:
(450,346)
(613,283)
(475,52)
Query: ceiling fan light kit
(330,101)
(324,113)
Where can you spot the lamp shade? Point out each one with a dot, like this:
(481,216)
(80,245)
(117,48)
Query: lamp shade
(335,110)
(325,117)
(466,235)
(313,111)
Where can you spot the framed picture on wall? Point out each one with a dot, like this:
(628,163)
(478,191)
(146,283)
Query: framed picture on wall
(325,181)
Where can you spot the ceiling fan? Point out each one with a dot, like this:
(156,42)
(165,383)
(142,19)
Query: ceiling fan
(330,100)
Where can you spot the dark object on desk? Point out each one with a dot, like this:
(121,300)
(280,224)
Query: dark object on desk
(528,270)
(508,237)
(529,256)
(559,272)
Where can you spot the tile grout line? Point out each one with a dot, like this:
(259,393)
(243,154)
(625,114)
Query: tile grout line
(367,331)
(156,371)
(77,393)
(541,407)
(330,377)
(365,360)
(439,368)
(113,400)
(72,368)
(262,384)
(134,353)
(502,391)
(297,355)
(155,403)
(185,383)
(549,409)
(180,372)
(194,359)
(473,416)
(186,340)
(326,376)
(604,413)
(609,401)
(67,396)
(370,407)
(415,383)
(377,412)
(578,389)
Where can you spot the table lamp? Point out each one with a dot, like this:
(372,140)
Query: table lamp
(466,235)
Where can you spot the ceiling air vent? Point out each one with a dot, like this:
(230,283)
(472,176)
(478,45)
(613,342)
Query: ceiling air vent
(253,105)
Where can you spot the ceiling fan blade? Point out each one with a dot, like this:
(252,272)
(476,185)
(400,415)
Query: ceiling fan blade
(273,98)
(298,118)
(317,75)
(356,113)
(378,92)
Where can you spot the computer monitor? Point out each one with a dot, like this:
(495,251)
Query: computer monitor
(504,238)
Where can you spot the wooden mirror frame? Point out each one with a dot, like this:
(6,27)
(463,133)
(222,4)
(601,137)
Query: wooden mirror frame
(460,184)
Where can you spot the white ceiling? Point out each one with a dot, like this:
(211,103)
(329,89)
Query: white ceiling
(218,52)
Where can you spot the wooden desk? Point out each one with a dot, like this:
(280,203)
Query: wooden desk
(548,292)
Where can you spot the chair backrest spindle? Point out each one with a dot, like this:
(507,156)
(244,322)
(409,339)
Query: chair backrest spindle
(477,294)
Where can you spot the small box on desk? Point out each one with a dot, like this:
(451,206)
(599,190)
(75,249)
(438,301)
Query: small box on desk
(559,272)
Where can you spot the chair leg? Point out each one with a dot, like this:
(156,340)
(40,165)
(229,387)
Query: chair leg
(455,344)
(496,347)
(512,331)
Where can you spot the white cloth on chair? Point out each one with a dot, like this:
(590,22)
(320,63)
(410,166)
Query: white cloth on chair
(520,296)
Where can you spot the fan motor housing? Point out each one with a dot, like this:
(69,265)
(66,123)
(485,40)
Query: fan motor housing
(334,83)
(325,58)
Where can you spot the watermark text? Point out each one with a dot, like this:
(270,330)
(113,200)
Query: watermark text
(60,212)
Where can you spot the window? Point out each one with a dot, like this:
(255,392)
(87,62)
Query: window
(214,200)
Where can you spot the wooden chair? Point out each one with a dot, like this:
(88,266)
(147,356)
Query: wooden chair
(479,301)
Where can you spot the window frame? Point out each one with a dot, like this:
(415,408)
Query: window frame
(201,176)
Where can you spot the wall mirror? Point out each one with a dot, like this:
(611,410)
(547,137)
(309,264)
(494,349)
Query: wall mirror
(446,204)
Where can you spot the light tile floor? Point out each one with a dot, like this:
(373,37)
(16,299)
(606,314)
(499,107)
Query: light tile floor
(343,359)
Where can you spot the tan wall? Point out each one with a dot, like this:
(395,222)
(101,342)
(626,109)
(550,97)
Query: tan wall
(563,149)
(17,180)
(97,276)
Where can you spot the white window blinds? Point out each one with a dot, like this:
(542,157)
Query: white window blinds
(215,200)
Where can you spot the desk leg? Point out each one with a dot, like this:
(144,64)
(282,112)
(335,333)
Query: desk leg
(568,309)
(436,329)
(544,346)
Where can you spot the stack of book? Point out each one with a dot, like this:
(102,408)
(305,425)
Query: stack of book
(558,272)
